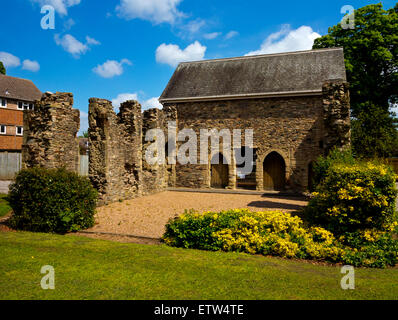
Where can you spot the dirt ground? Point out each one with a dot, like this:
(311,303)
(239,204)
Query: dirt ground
(147,216)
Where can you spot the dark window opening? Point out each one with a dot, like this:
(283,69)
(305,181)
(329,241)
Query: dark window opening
(246,171)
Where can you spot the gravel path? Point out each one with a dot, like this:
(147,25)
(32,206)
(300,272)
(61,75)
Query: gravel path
(147,216)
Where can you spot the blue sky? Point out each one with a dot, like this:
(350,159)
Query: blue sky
(122,49)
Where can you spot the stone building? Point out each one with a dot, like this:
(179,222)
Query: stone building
(296,103)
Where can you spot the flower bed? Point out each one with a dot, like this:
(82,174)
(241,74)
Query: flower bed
(280,234)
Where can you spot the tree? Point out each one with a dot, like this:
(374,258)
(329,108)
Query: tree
(371,59)
(2,68)
(381,142)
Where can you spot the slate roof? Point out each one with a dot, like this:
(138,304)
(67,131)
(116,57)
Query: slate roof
(288,74)
(19,89)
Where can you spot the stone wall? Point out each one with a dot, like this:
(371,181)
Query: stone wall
(117,165)
(50,133)
(336,105)
(157,177)
(115,144)
(299,129)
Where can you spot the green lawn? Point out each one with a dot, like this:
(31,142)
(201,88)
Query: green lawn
(4,206)
(95,269)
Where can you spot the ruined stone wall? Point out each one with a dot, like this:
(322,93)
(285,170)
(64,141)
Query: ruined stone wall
(117,165)
(336,105)
(158,176)
(50,133)
(115,149)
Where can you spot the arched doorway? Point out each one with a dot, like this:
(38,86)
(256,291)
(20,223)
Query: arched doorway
(219,172)
(274,169)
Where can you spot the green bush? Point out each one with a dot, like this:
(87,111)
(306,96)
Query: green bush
(370,248)
(51,200)
(279,234)
(323,164)
(269,233)
(354,197)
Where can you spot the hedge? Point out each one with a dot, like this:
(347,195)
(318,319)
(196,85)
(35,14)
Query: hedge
(51,200)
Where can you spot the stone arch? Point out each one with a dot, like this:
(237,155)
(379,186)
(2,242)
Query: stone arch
(219,172)
(274,171)
(260,169)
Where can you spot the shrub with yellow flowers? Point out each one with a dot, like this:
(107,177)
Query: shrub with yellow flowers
(269,233)
(279,234)
(354,197)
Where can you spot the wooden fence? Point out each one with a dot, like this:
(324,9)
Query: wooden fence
(11,163)
(83,165)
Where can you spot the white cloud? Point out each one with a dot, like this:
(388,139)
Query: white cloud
(116,102)
(287,40)
(191,29)
(92,41)
(152,103)
(74,46)
(9,60)
(111,68)
(71,45)
(231,34)
(146,104)
(156,11)
(172,55)
(68,24)
(61,6)
(194,26)
(211,36)
(30,65)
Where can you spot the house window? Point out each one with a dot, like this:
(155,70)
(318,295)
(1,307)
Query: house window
(19,131)
(3,103)
(25,105)
(3,129)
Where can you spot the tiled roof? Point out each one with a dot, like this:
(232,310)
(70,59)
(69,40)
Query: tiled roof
(17,88)
(291,73)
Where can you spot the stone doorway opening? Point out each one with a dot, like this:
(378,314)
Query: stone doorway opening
(219,171)
(246,178)
(274,170)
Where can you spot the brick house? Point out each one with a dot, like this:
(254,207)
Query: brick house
(16,95)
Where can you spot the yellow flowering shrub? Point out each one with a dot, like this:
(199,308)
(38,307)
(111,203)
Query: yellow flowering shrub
(355,196)
(280,234)
(269,232)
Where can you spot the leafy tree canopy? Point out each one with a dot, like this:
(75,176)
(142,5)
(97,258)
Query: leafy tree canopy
(371,55)
(371,59)
(2,68)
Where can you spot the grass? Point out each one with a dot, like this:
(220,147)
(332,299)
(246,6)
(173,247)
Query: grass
(4,205)
(96,269)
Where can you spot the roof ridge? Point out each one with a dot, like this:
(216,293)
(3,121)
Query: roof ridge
(262,55)
(5,75)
